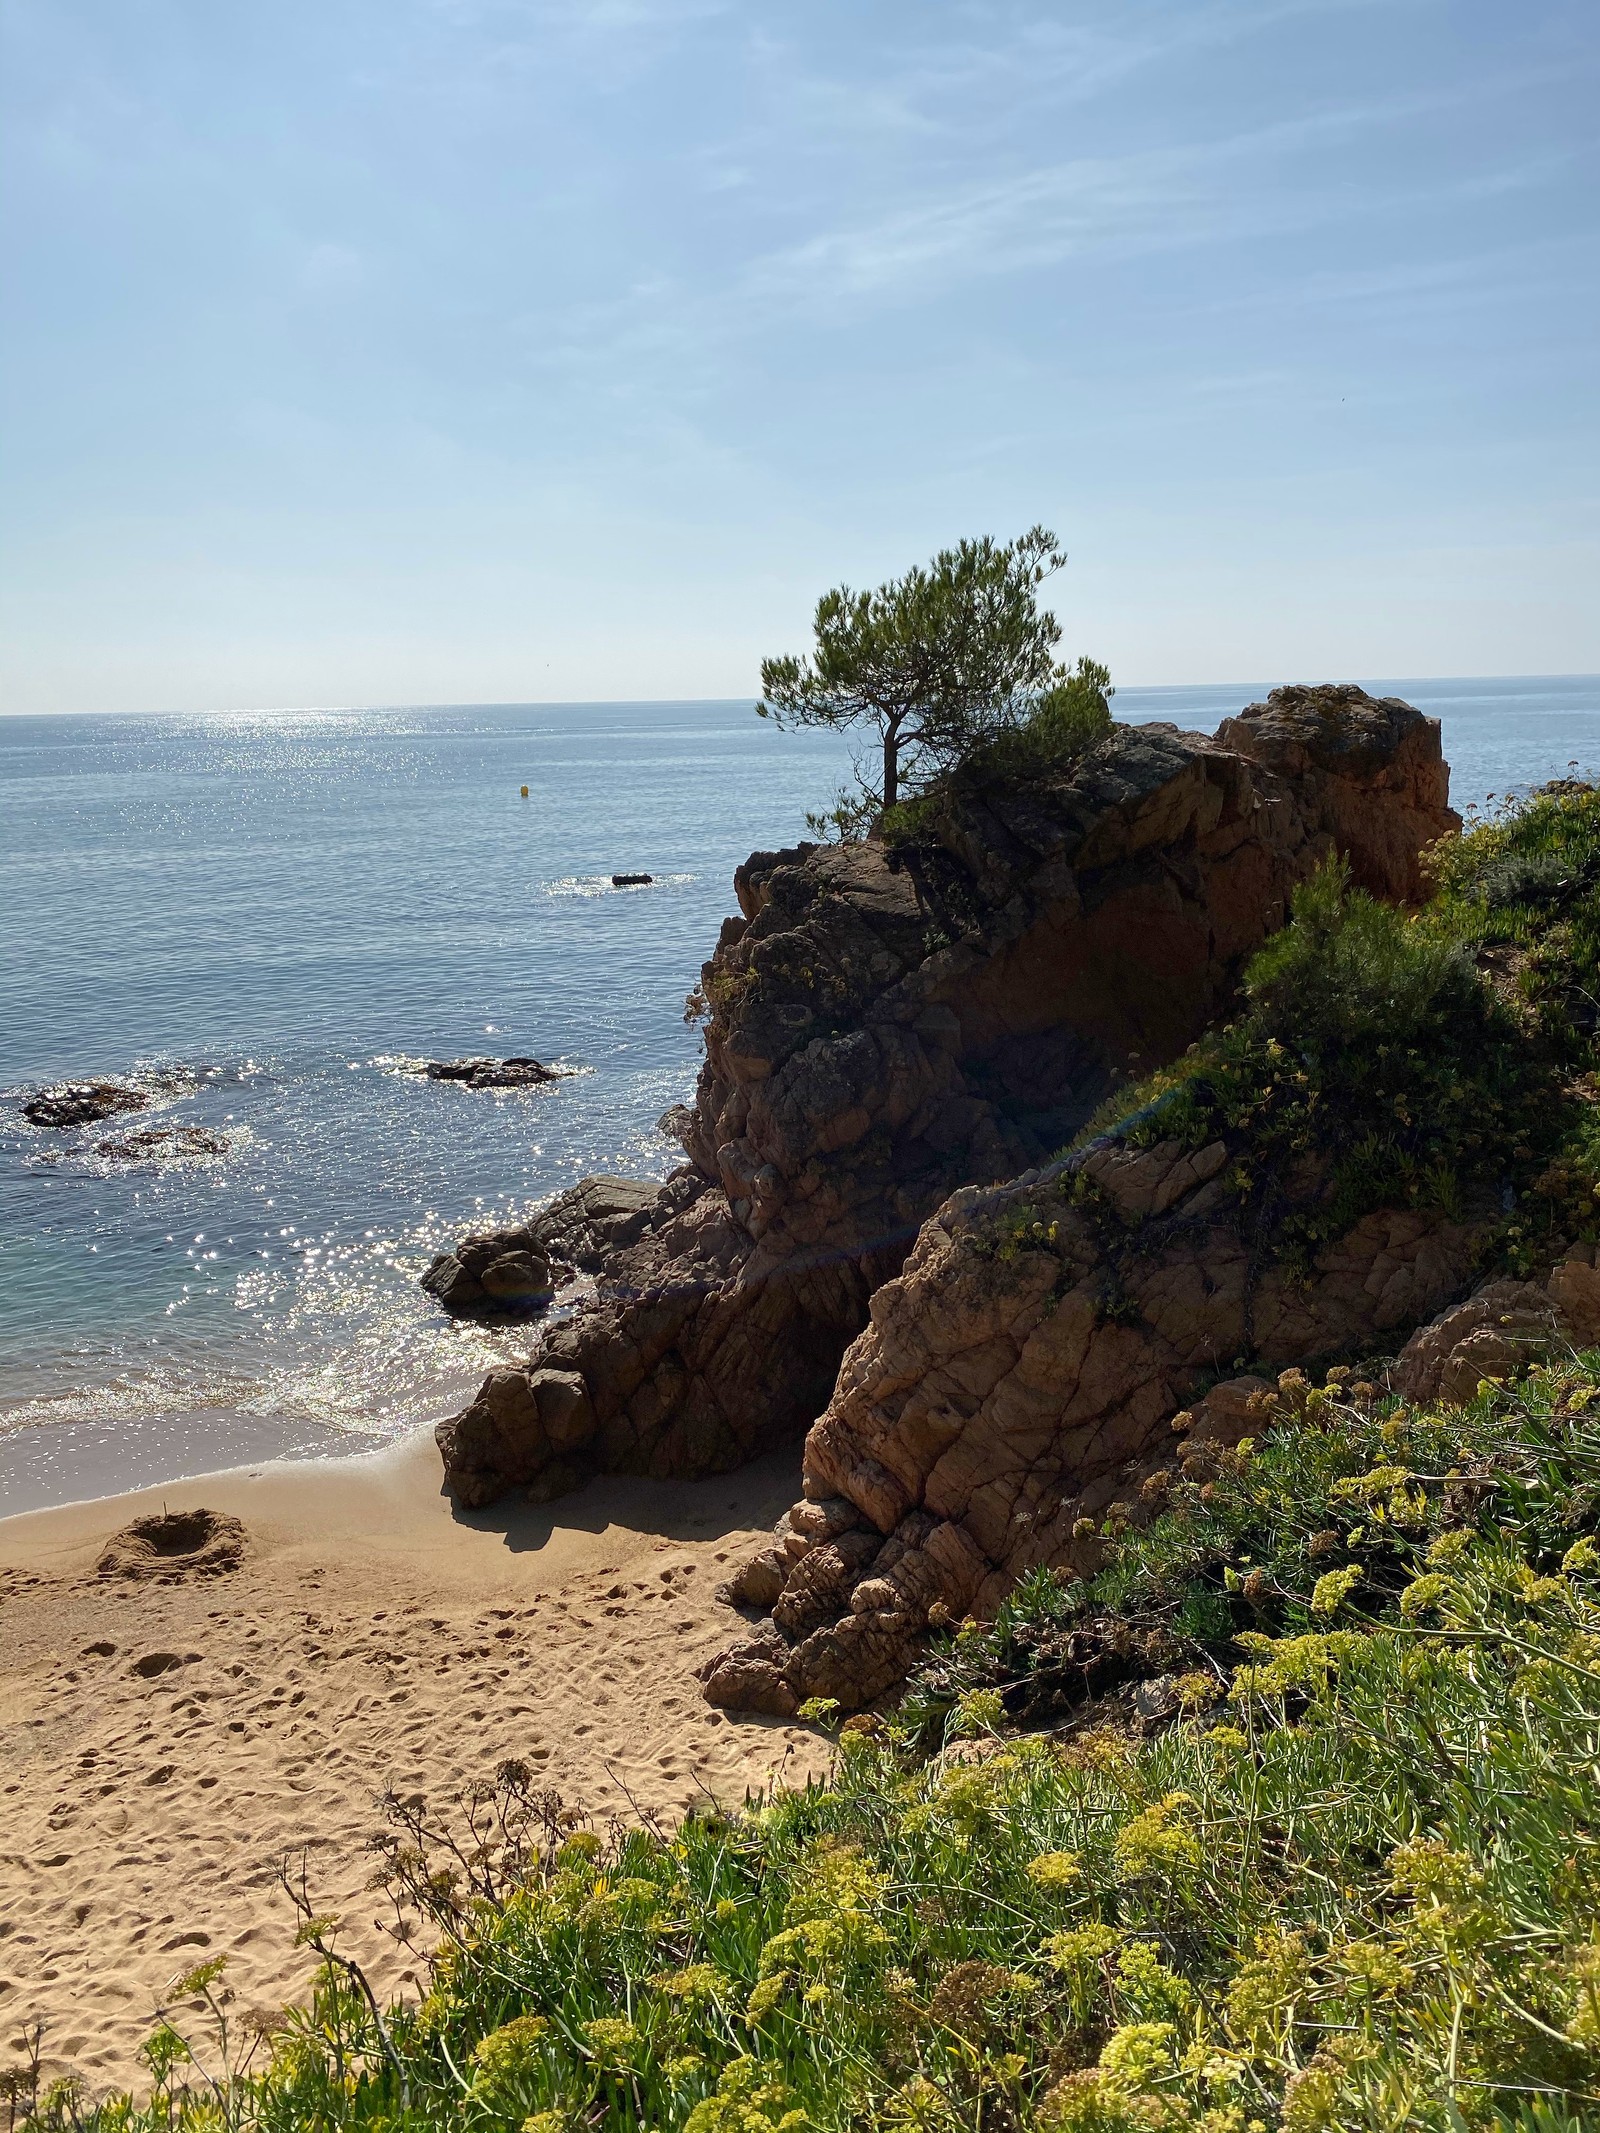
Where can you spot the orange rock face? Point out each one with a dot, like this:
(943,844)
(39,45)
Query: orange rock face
(1002,1394)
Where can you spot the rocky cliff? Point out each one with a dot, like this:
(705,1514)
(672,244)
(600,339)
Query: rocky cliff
(1016,1385)
(889,1024)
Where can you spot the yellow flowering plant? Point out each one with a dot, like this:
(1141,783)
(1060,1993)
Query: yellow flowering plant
(1365,1900)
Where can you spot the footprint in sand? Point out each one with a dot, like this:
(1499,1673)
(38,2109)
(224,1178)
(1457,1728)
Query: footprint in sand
(154,1663)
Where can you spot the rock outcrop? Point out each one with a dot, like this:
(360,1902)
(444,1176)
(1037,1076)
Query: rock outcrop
(988,1421)
(484,1073)
(1016,1386)
(82,1103)
(889,1025)
(1500,1329)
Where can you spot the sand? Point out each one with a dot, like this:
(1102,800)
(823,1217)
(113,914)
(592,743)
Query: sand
(163,1746)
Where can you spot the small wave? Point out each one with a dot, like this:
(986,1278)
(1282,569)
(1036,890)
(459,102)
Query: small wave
(390,1063)
(346,1348)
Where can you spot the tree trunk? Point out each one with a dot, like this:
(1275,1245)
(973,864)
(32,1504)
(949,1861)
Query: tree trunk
(891,762)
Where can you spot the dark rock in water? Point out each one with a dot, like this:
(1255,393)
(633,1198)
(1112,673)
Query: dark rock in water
(490,1277)
(632,881)
(511,1272)
(493,1073)
(157,1144)
(82,1103)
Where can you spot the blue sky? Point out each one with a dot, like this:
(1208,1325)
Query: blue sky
(365,351)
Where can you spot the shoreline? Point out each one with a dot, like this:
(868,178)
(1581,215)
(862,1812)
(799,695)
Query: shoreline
(46,1459)
(163,1745)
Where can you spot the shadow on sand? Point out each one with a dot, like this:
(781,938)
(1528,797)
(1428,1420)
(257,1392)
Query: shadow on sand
(753,1495)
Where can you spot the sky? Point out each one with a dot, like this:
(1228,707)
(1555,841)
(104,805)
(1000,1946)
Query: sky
(405,351)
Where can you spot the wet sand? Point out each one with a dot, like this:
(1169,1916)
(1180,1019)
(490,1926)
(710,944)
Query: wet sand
(163,1746)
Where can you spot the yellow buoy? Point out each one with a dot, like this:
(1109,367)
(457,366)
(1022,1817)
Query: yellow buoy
(524,792)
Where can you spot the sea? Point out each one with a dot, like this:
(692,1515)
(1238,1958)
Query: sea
(271,919)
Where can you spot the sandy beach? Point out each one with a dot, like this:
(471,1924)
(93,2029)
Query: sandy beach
(166,1744)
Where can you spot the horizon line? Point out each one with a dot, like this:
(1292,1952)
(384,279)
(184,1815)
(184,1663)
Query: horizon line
(665,703)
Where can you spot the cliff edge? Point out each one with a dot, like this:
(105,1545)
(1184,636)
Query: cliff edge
(891,1023)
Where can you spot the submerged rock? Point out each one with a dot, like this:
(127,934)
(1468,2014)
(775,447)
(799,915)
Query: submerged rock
(891,1025)
(494,1073)
(632,881)
(82,1103)
(156,1144)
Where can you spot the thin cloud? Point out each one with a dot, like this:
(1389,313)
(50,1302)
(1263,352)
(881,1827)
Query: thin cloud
(1159,197)
(1007,60)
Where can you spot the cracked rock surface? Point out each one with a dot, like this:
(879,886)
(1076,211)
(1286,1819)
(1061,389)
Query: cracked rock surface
(1016,1385)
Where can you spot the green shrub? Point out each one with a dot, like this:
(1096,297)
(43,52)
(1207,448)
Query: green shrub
(1431,1059)
(1352,1884)
(1354,1887)
(1350,973)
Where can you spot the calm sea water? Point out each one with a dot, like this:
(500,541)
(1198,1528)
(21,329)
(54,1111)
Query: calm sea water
(268,915)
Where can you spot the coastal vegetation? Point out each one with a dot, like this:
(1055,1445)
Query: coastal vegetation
(1351,1882)
(1284,1820)
(950,667)
(1440,1058)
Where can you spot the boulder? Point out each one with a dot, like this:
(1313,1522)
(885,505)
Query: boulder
(1493,1334)
(494,1073)
(889,1025)
(1574,1289)
(757,1582)
(490,1277)
(82,1103)
(512,1272)
(749,1677)
(520,1279)
(527,1426)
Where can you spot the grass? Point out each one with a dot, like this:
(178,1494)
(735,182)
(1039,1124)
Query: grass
(1353,1884)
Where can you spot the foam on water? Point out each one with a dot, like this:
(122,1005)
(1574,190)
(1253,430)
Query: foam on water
(271,920)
